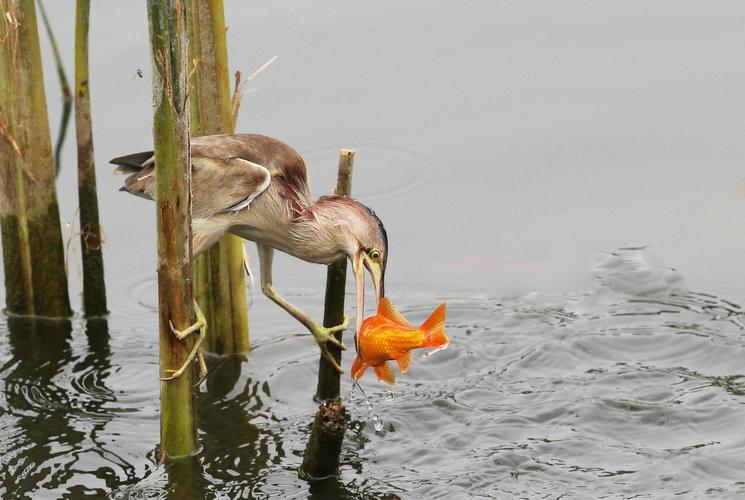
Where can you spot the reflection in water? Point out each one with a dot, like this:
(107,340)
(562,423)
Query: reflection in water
(38,407)
(48,390)
(235,450)
(186,479)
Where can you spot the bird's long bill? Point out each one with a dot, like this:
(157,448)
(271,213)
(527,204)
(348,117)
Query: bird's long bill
(360,262)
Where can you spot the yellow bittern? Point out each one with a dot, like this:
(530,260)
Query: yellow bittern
(257,188)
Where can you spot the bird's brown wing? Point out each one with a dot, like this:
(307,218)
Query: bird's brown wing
(228,170)
(279,158)
(218,185)
(225,185)
(285,165)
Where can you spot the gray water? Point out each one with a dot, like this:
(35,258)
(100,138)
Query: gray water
(566,175)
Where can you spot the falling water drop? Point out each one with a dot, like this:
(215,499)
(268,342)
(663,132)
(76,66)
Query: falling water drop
(389,395)
(378,423)
(369,405)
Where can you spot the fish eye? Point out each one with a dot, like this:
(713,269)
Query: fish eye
(375,254)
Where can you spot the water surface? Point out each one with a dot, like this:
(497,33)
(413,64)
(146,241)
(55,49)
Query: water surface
(542,167)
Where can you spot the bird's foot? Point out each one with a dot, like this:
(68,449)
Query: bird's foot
(325,336)
(199,326)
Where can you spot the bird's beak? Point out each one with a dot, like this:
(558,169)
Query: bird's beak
(361,261)
(377,273)
(359,278)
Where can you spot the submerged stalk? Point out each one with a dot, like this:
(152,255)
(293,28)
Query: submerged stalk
(218,273)
(167,23)
(94,288)
(321,458)
(336,278)
(33,256)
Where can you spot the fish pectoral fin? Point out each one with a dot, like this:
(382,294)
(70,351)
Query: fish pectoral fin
(385,373)
(358,368)
(404,361)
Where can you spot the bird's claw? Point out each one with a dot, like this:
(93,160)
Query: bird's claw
(201,326)
(325,335)
(340,328)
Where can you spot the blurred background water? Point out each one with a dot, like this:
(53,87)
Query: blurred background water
(566,175)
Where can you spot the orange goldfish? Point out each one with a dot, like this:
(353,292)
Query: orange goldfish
(388,335)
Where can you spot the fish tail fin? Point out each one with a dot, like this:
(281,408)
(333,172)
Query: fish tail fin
(358,369)
(434,329)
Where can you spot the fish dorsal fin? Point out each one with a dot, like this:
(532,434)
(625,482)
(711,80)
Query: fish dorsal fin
(385,373)
(404,361)
(388,310)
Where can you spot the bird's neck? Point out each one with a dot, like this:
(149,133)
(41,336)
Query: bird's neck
(321,233)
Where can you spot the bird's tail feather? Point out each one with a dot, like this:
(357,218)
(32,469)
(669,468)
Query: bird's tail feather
(132,162)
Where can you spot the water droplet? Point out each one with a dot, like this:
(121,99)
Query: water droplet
(378,425)
(389,395)
(369,405)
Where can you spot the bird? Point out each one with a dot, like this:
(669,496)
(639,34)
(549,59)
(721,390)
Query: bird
(257,188)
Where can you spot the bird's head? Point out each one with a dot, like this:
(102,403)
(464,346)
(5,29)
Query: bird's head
(368,250)
(342,225)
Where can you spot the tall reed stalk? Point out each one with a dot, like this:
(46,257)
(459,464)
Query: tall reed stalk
(64,86)
(218,274)
(94,288)
(336,279)
(168,39)
(33,256)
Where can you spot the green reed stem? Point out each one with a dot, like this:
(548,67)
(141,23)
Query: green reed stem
(65,86)
(94,287)
(218,273)
(168,39)
(33,255)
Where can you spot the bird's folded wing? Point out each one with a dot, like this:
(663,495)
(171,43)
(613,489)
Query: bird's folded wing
(224,185)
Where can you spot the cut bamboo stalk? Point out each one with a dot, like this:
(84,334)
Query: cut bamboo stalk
(321,459)
(167,26)
(94,288)
(65,87)
(218,274)
(336,279)
(33,256)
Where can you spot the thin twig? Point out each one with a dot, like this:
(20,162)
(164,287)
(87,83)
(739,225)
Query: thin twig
(239,86)
(262,68)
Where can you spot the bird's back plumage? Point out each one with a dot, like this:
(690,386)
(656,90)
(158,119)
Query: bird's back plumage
(238,167)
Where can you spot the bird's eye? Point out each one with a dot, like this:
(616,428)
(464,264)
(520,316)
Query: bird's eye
(375,254)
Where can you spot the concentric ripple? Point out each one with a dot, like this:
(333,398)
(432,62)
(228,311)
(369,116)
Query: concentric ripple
(383,170)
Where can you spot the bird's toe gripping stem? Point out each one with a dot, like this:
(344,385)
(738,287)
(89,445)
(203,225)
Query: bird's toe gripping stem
(199,326)
(325,335)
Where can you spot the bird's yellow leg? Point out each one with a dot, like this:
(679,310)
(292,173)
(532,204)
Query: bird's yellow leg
(201,326)
(322,334)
